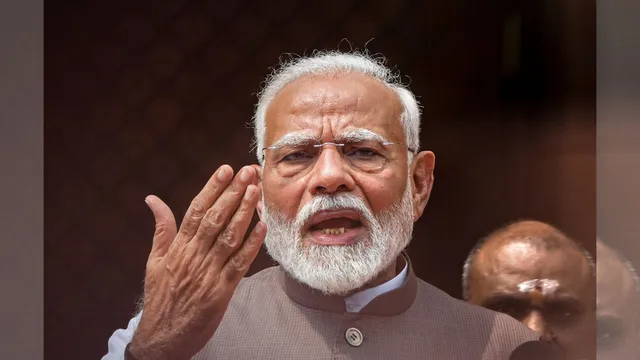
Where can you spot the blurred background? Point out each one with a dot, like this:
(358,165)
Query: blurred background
(152,96)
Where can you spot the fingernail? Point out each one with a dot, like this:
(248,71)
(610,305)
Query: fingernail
(249,192)
(245,174)
(223,173)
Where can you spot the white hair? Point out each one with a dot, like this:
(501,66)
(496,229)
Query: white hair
(338,270)
(333,62)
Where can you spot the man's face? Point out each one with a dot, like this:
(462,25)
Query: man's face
(548,290)
(337,215)
(618,308)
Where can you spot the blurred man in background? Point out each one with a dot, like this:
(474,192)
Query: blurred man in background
(618,306)
(535,273)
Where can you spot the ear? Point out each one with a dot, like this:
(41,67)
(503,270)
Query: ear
(258,170)
(421,171)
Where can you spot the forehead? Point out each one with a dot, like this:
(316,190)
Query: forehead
(340,102)
(503,268)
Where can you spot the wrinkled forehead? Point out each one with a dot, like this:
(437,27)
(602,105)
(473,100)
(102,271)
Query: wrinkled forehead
(524,267)
(335,104)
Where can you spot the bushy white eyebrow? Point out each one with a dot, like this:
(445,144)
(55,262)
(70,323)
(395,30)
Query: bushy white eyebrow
(294,139)
(356,135)
(300,138)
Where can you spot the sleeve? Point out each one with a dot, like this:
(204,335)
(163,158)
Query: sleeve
(120,338)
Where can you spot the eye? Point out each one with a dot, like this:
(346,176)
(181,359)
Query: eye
(515,309)
(296,156)
(363,152)
(560,313)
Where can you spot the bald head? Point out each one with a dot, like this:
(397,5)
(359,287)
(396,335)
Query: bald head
(535,273)
(534,233)
(523,242)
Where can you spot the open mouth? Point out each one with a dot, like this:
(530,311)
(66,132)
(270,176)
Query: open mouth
(335,227)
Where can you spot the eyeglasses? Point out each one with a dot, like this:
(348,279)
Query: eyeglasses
(368,156)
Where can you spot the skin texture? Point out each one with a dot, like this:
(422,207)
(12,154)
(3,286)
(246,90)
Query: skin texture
(330,105)
(532,250)
(618,307)
(193,270)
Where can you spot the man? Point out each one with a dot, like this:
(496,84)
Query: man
(533,272)
(339,185)
(618,306)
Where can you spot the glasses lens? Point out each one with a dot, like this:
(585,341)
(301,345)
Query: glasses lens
(365,156)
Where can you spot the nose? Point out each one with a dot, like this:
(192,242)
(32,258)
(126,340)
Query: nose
(535,321)
(330,173)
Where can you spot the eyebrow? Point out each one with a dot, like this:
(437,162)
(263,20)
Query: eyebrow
(357,135)
(294,139)
(564,299)
(499,298)
(299,138)
(555,300)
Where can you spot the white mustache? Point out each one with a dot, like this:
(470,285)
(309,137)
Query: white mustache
(340,201)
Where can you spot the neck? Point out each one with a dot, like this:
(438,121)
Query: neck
(385,275)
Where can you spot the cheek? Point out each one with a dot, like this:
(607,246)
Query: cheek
(382,191)
(283,196)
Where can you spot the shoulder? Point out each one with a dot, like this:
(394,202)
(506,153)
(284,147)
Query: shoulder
(262,277)
(258,285)
(501,333)
(254,298)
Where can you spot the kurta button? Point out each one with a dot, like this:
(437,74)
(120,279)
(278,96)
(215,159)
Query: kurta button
(353,336)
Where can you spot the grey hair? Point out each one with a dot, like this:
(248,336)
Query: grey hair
(468,263)
(334,62)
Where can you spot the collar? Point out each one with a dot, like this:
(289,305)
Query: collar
(357,301)
(390,303)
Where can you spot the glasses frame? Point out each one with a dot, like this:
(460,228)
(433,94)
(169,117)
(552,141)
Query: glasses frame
(336,144)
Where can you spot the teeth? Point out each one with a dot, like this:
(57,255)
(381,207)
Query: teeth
(335,231)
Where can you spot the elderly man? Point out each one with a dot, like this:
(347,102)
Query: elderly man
(339,185)
(618,306)
(536,274)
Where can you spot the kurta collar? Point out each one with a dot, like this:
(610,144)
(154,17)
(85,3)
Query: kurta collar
(390,303)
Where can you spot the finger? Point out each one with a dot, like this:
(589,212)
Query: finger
(238,265)
(258,170)
(165,226)
(230,239)
(204,200)
(218,216)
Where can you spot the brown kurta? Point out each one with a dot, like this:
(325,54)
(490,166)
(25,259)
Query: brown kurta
(271,316)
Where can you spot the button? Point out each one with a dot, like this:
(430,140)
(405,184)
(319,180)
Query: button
(353,336)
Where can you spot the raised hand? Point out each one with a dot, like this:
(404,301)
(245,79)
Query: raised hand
(193,271)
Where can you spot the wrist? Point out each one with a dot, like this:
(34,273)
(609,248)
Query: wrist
(136,351)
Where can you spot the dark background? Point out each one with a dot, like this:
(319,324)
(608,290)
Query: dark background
(152,96)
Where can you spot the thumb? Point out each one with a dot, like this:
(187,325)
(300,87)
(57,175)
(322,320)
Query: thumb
(165,229)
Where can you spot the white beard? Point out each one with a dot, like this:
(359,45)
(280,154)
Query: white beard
(338,270)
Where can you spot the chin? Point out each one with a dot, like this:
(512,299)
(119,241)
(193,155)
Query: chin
(331,269)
